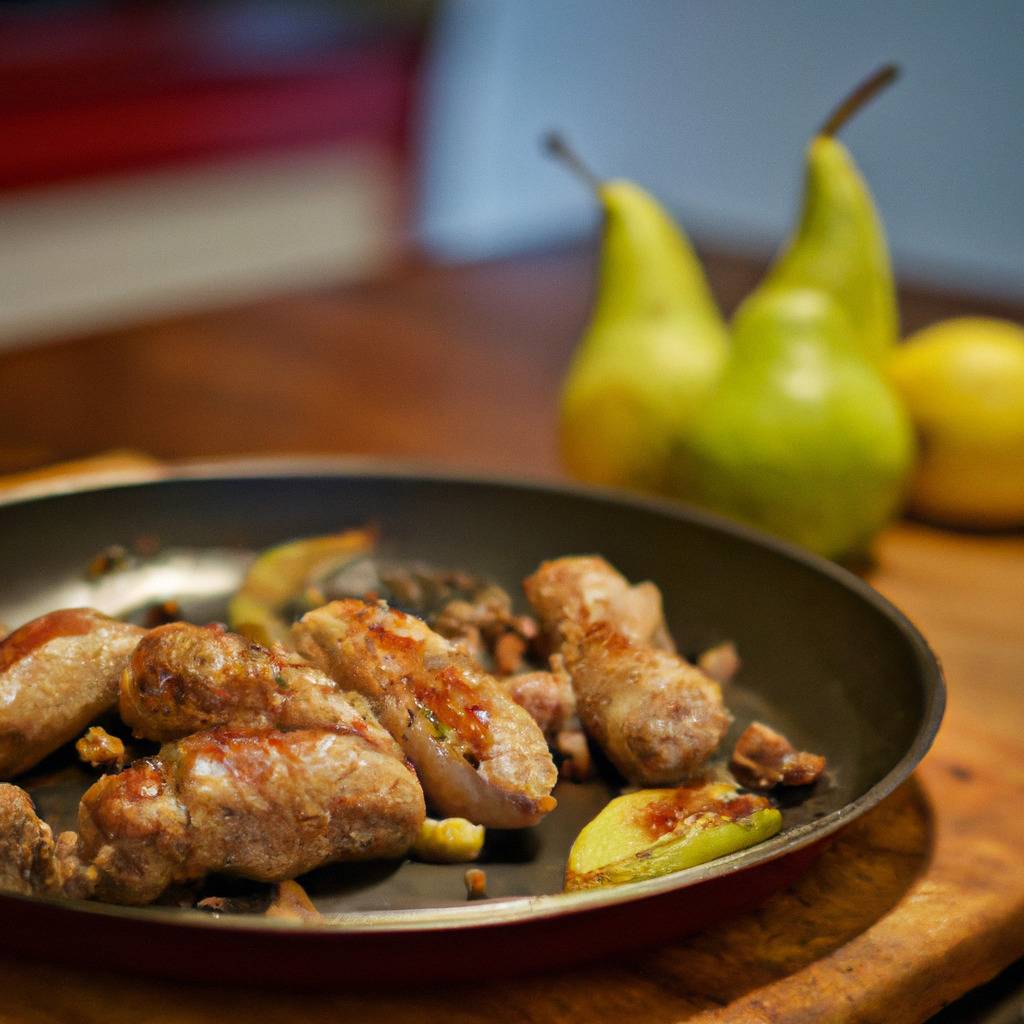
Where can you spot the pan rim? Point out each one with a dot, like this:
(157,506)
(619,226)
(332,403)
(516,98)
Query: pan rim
(525,909)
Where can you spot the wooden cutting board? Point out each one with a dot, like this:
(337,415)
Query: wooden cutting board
(911,906)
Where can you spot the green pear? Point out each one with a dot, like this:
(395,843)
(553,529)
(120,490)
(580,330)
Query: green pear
(803,436)
(839,244)
(654,346)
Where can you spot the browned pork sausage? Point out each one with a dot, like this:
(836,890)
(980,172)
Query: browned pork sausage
(657,717)
(478,754)
(183,678)
(263,804)
(57,673)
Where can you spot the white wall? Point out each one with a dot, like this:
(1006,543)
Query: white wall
(711,103)
(93,255)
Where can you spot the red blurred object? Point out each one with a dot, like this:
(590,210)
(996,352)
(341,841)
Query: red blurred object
(102,92)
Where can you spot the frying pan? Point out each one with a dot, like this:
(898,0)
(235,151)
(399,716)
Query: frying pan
(826,660)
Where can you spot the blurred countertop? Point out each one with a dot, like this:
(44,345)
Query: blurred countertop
(458,364)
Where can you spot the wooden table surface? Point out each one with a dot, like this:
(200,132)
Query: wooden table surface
(911,906)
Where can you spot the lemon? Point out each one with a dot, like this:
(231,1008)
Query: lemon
(963,382)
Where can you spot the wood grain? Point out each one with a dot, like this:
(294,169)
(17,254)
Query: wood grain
(459,365)
(911,906)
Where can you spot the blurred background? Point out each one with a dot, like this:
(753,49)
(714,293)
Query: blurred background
(167,157)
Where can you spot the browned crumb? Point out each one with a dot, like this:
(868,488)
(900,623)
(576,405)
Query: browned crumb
(146,545)
(764,758)
(233,904)
(98,748)
(526,626)
(476,884)
(509,650)
(483,623)
(405,589)
(721,662)
(161,613)
(292,903)
(109,559)
(215,904)
(576,765)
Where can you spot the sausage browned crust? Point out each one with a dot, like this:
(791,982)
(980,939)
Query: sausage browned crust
(263,804)
(587,589)
(656,716)
(57,673)
(183,679)
(478,754)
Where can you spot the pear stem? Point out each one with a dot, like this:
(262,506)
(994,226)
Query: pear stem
(867,89)
(555,145)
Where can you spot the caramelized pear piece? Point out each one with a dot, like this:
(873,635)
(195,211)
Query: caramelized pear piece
(654,832)
(282,579)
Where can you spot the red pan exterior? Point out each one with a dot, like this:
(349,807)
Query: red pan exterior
(338,958)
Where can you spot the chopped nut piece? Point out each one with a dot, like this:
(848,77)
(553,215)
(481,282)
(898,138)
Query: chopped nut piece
(292,903)
(764,758)
(162,613)
(526,626)
(215,905)
(476,884)
(471,641)
(576,765)
(483,622)
(98,748)
(509,650)
(249,904)
(109,559)
(721,662)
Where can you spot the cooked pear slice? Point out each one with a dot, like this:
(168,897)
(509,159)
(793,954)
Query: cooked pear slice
(655,832)
(283,576)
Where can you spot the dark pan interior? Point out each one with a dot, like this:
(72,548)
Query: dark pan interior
(823,659)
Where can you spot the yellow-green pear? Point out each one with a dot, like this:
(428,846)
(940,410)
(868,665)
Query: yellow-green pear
(654,346)
(802,436)
(839,244)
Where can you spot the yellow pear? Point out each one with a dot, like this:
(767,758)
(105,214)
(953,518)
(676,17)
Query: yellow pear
(963,382)
(654,346)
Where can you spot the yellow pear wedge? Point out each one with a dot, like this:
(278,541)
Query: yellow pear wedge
(654,832)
